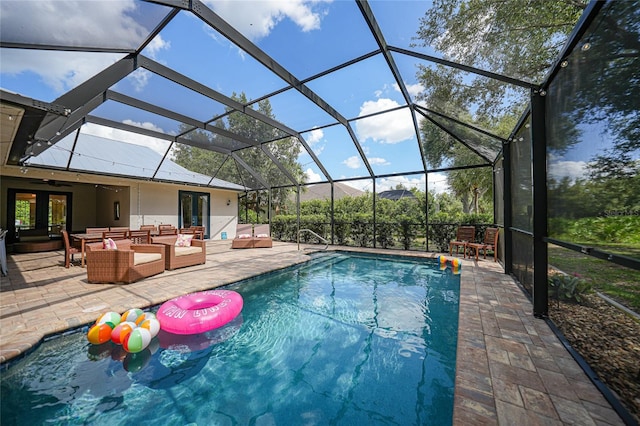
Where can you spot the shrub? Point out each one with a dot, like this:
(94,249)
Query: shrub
(570,288)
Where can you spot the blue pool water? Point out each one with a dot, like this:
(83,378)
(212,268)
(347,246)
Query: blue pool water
(343,340)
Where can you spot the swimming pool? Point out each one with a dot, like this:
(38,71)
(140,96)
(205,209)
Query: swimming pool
(343,339)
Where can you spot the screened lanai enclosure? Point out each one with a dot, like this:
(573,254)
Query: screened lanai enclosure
(521,115)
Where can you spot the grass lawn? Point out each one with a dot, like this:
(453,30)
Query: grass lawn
(619,283)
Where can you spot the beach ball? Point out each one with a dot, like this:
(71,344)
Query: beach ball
(442,259)
(132,315)
(121,331)
(137,340)
(151,324)
(145,316)
(455,262)
(111,318)
(99,333)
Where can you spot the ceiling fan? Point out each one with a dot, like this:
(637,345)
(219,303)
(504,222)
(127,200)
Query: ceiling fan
(50,182)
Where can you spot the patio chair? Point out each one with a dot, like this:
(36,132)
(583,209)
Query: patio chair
(244,236)
(167,231)
(126,264)
(181,251)
(115,235)
(119,228)
(199,231)
(464,236)
(262,236)
(69,250)
(490,242)
(151,228)
(142,236)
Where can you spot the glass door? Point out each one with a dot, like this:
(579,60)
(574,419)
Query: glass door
(194,210)
(37,212)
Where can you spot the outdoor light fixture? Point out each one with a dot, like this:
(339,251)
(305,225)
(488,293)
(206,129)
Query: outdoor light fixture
(586,46)
(564,63)
(228,202)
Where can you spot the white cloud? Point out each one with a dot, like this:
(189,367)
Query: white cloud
(378,161)
(61,71)
(571,169)
(438,183)
(79,22)
(314,136)
(256,19)
(158,145)
(139,78)
(74,23)
(313,139)
(156,45)
(386,184)
(362,184)
(312,176)
(353,162)
(392,127)
(413,89)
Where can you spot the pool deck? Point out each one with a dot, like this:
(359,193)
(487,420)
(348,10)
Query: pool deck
(511,368)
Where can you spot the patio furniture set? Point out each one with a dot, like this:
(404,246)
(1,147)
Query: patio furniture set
(465,240)
(122,255)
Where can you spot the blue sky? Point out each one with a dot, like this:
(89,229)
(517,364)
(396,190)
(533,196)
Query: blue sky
(306,37)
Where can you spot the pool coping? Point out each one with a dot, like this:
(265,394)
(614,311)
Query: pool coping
(510,368)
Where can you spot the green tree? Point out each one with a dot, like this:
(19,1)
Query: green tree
(284,149)
(516,38)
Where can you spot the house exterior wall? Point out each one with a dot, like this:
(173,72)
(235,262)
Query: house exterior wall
(141,203)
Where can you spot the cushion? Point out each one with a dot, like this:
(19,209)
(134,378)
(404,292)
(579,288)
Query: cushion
(109,244)
(142,258)
(184,240)
(185,251)
(244,236)
(262,236)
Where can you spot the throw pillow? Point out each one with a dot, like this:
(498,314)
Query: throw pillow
(184,240)
(109,244)
(262,236)
(243,236)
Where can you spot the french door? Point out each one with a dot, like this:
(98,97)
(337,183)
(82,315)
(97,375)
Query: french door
(194,210)
(37,210)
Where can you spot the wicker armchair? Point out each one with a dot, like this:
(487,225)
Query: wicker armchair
(128,263)
(180,257)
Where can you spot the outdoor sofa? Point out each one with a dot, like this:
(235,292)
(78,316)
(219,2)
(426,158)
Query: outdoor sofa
(181,256)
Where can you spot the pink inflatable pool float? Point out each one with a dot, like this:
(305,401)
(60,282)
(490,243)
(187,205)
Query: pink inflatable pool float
(199,312)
